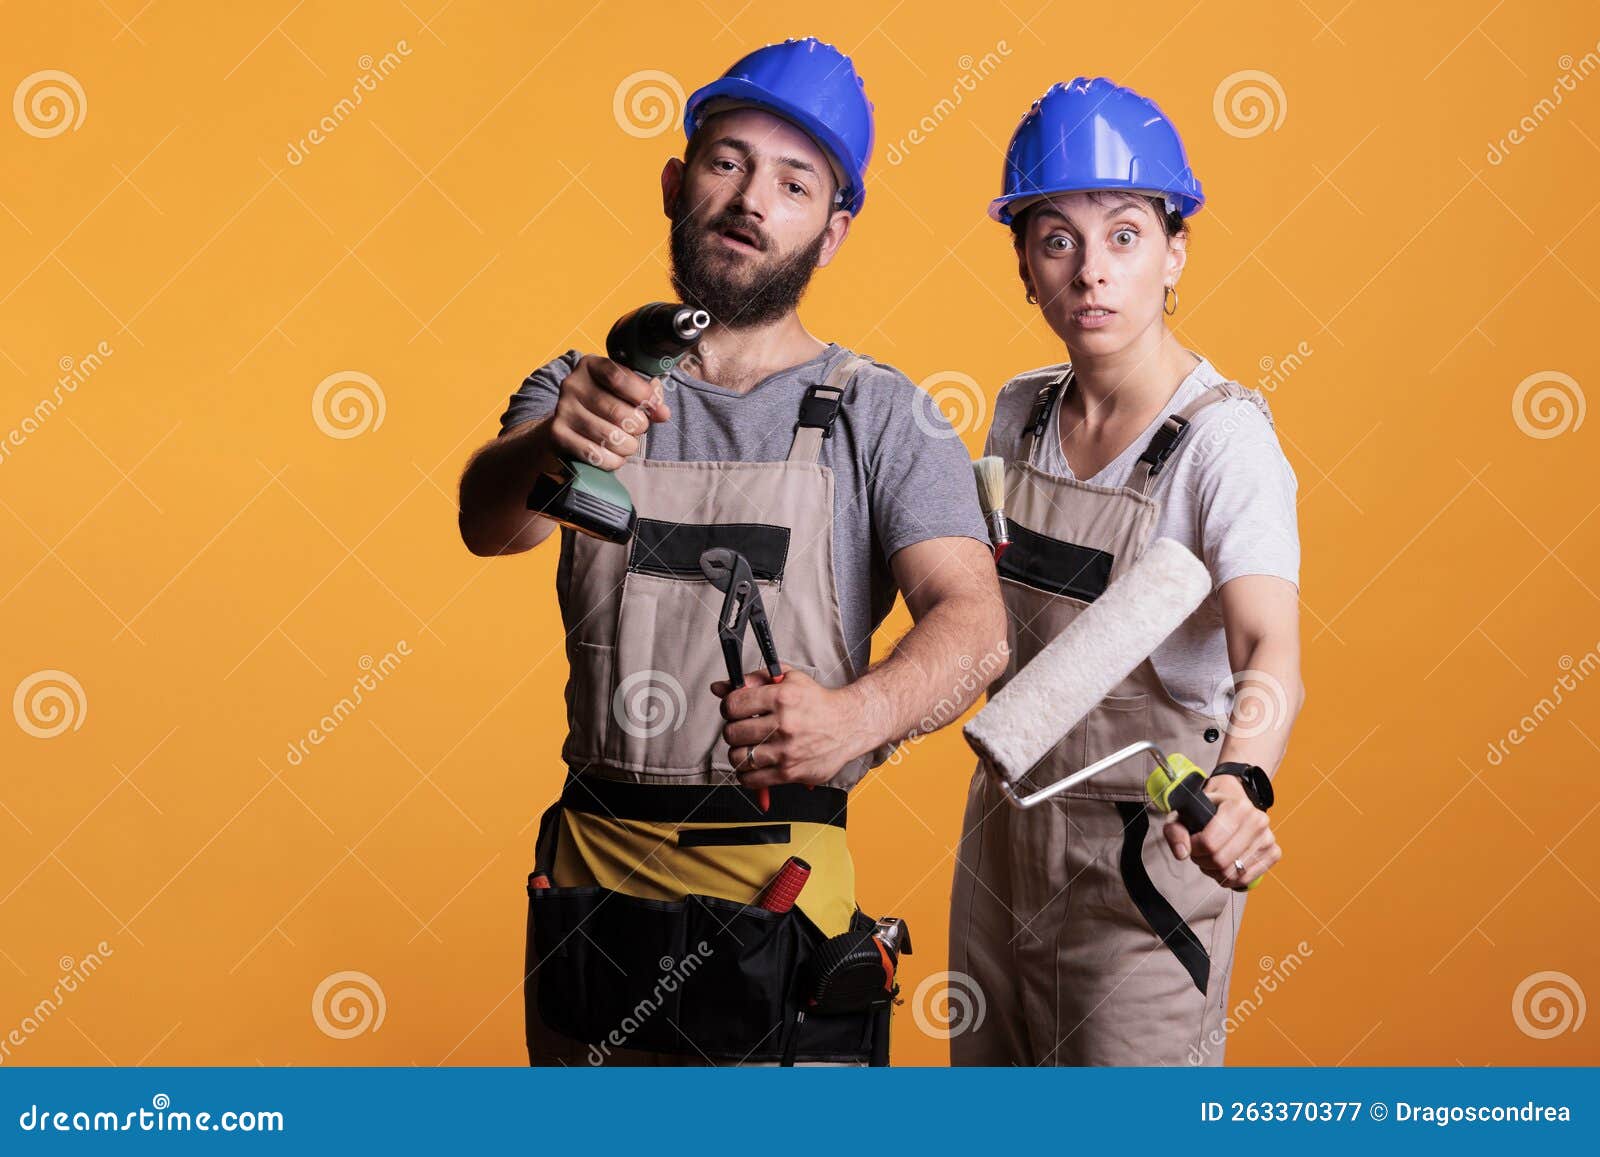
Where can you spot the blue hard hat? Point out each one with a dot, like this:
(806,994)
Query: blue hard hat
(812,84)
(1093,134)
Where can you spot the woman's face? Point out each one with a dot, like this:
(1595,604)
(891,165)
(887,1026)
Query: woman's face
(1100,265)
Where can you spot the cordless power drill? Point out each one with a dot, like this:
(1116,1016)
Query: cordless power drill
(649,341)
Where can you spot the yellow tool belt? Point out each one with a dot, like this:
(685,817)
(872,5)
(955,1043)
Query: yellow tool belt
(664,843)
(642,922)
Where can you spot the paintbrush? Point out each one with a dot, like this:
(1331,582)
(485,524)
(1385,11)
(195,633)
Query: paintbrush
(990,475)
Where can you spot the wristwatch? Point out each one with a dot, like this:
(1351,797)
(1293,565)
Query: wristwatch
(1257,784)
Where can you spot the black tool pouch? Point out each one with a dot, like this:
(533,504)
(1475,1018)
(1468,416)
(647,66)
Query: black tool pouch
(700,976)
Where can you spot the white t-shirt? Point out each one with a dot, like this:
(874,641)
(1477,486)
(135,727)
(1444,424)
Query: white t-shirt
(1227,493)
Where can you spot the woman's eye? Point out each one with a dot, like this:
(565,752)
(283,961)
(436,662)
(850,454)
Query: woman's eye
(1125,236)
(1058,242)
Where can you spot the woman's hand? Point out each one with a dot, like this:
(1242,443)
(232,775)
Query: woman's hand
(1238,833)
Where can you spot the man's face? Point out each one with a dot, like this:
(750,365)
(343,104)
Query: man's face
(752,217)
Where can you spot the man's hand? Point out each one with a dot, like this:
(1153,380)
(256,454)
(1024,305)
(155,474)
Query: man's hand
(797,731)
(1239,831)
(602,409)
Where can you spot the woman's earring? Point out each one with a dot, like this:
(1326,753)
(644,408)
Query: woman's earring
(1033,298)
(1173,294)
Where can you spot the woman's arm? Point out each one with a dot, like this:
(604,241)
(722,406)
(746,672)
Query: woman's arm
(1261,616)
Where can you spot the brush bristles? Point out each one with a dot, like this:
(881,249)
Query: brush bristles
(990,474)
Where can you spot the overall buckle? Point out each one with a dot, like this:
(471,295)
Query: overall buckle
(1164,443)
(819,412)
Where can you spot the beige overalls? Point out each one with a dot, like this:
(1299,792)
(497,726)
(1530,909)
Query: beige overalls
(645,949)
(1088,941)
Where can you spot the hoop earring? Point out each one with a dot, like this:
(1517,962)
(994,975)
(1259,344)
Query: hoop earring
(1172,293)
(1033,298)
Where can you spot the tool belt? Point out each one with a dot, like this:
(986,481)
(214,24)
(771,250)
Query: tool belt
(643,926)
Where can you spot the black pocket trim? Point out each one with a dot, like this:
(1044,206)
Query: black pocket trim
(673,549)
(1162,917)
(1060,568)
(739,837)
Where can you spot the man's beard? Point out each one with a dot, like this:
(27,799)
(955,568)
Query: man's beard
(737,294)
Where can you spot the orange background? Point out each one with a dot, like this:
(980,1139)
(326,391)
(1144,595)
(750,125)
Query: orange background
(183,538)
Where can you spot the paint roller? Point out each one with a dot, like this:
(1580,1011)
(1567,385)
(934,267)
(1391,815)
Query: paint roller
(1081,666)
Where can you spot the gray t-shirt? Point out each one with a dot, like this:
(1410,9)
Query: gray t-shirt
(901,474)
(1227,493)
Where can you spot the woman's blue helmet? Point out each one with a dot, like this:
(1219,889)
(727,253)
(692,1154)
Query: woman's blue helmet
(1093,134)
(811,84)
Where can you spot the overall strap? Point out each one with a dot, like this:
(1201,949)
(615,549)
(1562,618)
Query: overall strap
(819,408)
(1173,428)
(1039,415)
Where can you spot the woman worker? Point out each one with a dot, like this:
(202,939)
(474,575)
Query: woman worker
(1093,933)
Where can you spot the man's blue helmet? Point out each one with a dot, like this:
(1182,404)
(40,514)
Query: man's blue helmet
(815,86)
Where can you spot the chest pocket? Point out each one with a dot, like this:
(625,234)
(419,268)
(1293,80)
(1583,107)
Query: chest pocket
(673,549)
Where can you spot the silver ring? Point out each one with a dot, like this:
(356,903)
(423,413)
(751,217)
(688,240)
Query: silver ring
(1238,866)
(756,748)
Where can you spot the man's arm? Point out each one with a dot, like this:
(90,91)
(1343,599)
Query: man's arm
(806,732)
(599,411)
(494,516)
